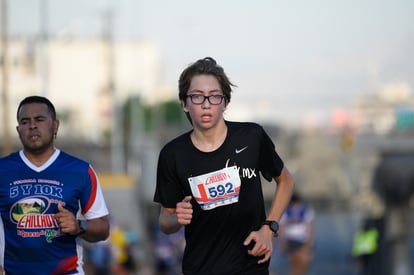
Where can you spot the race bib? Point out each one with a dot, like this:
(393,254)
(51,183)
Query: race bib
(217,188)
(296,231)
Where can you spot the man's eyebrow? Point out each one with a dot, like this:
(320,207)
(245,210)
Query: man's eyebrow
(36,117)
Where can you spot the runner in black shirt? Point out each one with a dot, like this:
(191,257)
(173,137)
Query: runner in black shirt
(208,180)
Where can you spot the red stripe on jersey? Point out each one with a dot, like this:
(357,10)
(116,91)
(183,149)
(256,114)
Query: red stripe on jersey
(94,182)
(66,265)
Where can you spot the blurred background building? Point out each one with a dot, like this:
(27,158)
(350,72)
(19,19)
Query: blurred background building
(93,72)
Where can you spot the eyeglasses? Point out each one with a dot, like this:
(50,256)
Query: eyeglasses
(212,99)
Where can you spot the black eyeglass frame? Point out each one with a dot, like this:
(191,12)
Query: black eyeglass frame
(206,97)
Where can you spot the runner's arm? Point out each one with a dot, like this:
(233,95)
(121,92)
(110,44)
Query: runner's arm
(168,221)
(171,219)
(282,195)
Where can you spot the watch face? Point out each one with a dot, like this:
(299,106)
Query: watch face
(274,226)
(83,226)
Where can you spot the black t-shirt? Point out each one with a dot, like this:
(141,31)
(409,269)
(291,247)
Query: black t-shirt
(214,238)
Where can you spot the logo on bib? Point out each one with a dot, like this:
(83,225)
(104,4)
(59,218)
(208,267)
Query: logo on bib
(216,188)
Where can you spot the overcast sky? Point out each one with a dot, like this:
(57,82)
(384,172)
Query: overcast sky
(289,59)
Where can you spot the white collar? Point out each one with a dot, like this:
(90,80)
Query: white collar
(45,165)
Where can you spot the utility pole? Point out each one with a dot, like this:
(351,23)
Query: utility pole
(117,150)
(44,39)
(7,148)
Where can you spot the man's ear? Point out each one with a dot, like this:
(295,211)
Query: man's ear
(56,124)
(184,106)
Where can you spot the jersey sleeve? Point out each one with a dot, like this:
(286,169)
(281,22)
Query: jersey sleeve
(310,214)
(168,189)
(271,164)
(92,200)
(2,244)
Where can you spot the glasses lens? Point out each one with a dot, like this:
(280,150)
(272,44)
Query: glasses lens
(215,99)
(197,99)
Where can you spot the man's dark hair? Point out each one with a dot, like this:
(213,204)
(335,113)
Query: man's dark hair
(38,99)
(295,198)
(207,66)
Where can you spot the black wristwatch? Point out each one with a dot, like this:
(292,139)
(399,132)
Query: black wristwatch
(83,226)
(273,225)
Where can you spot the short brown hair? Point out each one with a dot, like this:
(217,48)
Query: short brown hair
(207,66)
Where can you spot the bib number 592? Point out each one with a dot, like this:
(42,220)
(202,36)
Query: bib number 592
(220,190)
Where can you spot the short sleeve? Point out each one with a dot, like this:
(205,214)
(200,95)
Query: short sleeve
(168,189)
(271,164)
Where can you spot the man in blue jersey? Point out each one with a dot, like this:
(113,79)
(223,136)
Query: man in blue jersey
(208,180)
(48,199)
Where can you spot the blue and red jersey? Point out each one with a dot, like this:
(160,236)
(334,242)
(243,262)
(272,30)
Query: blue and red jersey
(30,238)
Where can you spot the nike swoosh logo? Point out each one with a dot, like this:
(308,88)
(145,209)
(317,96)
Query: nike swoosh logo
(241,150)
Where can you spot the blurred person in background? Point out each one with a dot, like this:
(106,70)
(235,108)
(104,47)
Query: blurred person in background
(208,180)
(297,235)
(168,250)
(49,200)
(101,258)
(365,245)
(124,261)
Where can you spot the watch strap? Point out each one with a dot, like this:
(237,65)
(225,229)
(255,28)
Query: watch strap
(273,225)
(82,226)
